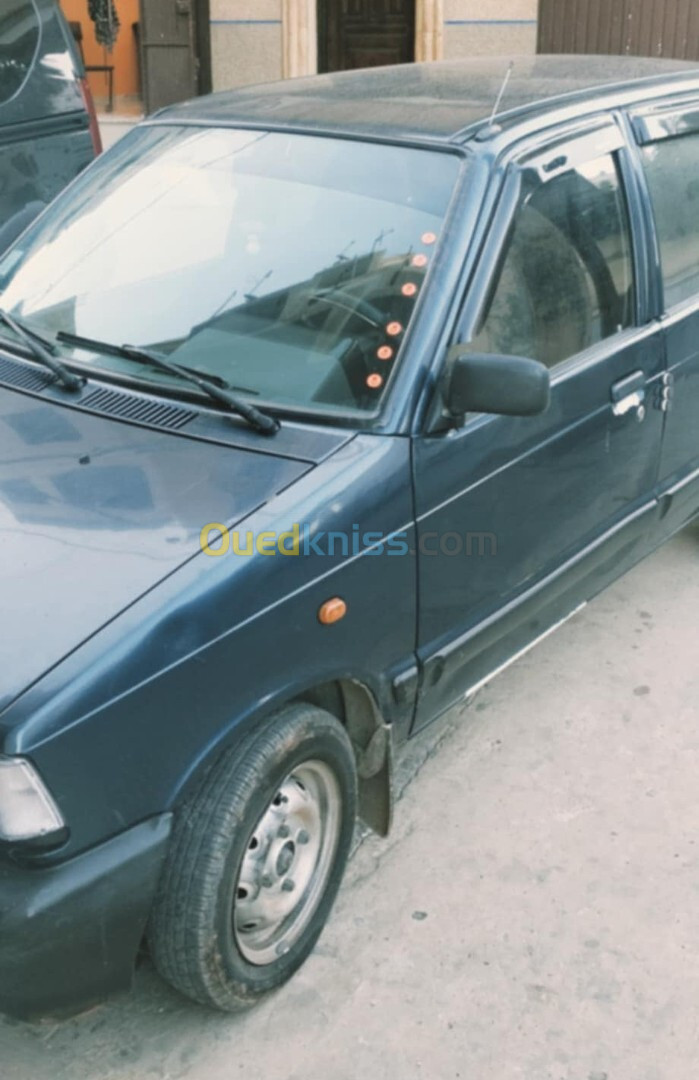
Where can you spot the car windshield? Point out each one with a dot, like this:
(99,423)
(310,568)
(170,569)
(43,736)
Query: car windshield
(286,265)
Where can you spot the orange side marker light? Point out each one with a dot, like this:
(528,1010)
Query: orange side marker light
(332,611)
(385,352)
(409,289)
(374,382)
(428,238)
(394,329)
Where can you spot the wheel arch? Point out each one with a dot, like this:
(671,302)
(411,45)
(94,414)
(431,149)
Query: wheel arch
(354,705)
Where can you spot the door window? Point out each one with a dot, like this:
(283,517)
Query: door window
(672,169)
(19,36)
(566,280)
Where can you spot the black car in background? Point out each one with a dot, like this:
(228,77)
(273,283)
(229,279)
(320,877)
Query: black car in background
(48,127)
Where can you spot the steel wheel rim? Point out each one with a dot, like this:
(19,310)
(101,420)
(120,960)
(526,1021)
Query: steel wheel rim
(287,863)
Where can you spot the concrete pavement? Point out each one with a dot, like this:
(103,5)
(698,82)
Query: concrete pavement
(535,914)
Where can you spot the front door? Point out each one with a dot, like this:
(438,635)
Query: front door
(365,33)
(521,519)
(168,53)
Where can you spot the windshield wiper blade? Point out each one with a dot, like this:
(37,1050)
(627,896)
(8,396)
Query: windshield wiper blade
(267,425)
(42,350)
(263,422)
(117,350)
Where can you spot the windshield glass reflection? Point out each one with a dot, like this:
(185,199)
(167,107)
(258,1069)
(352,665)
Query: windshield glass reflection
(288,265)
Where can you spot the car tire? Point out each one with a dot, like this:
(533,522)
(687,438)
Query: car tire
(256,860)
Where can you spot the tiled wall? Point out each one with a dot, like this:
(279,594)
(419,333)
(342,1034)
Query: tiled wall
(246,42)
(489,27)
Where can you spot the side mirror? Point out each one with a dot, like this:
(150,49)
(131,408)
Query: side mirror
(501,385)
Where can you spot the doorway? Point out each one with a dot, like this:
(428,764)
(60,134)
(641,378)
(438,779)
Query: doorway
(365,33)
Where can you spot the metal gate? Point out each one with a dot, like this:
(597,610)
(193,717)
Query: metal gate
(169,64)
(668,28)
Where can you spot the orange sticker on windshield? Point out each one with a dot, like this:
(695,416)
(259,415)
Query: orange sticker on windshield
(409,289)
(429,237)
(419,261)
(385,352)
(394,329)
(374,382)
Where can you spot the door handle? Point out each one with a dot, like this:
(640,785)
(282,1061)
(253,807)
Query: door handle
(630,393)
(632,401)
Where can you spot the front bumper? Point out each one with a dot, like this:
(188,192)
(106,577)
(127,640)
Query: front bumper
(69,933)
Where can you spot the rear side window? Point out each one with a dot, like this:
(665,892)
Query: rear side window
(566,281)
(19,38)
(672,168)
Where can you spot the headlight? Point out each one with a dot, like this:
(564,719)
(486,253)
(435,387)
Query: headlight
(27,810)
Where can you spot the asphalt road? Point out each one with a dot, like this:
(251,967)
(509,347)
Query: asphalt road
(534,916)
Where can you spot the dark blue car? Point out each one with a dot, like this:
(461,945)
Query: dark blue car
(319,404)
(48,126)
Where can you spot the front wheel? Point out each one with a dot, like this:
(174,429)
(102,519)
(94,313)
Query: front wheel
(256,861)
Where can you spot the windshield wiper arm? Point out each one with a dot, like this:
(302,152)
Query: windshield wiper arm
(42,350)
(264,423)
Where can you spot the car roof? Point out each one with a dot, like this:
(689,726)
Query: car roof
(445,101)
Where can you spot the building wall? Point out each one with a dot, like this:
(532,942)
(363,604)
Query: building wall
(246,42)
(247,36)
(124,57)
(489,27)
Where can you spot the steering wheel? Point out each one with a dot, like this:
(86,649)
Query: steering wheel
(345,301)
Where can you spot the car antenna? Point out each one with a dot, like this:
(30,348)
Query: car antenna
(501,95)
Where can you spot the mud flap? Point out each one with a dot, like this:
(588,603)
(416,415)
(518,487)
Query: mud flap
(375,770)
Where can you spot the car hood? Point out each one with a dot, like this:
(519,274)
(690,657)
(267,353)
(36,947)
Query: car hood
(95,512)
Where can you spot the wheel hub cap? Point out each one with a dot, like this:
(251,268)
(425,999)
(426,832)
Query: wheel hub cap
(287,863)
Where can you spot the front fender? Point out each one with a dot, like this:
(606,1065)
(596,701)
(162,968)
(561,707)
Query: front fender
(121,729)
